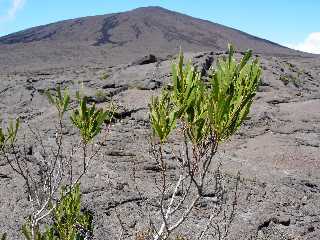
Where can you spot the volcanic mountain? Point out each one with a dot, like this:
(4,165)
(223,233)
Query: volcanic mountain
(122,37)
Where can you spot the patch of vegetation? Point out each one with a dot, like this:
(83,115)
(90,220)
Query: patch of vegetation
(69,222)
(104,76)
(284,79)
(295,80)
(205,115)
(291,66)
(89,120)
(295,76)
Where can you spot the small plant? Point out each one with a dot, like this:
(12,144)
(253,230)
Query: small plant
(69,223)
(206,114)
(8,137)
(104,76)
(162,116)
(89,120)
(55,164)
(286,79)
(60,101)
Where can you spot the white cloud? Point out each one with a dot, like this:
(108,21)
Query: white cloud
(311,44)
(15,6)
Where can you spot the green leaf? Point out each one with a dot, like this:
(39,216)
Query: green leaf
(162,116)
(61,102)
(237,86)
(89,120)
(68,217)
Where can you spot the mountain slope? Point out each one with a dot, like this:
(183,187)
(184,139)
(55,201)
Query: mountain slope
(122,37)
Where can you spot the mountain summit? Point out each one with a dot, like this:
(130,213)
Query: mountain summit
(122,37)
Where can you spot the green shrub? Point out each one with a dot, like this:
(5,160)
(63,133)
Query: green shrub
(218,108)
(284,79)
(42,189)
(206,115)
(295,80)
(8,137)
(60,101)
(69,223)
(89,120)
(162,116)
(104,76)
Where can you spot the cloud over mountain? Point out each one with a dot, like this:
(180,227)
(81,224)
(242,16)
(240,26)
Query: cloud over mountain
(311,44)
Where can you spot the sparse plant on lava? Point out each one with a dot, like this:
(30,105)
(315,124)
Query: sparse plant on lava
(205,115)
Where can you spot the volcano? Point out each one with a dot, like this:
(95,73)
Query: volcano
(122,37)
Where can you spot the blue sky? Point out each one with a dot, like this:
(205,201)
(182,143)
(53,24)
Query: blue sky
(295,23)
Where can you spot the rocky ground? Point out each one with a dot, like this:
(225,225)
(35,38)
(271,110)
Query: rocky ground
(276,151)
